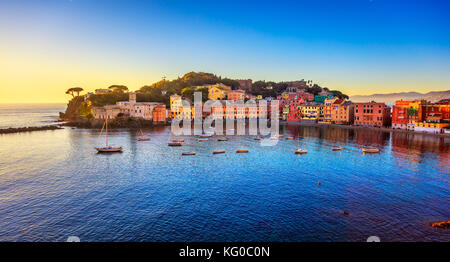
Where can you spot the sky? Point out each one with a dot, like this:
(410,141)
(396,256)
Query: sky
(359,47)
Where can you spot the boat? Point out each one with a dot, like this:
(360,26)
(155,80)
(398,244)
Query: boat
(242,151)
(174,144)
(178,140)
(202,139)
(206,135)
(336,148)
(142,138)
(223,139)
(300,151)
(258,138)
(370,150)
(218,152)
(290,138)
(107,148)
(188,153)
(273,138)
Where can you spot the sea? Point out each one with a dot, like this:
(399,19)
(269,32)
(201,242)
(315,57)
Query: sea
(53,184)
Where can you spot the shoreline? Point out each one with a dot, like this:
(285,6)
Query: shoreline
(383,129)
(12,130)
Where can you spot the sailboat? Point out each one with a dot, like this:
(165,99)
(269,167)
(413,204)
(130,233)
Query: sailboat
(299,150)
(107,148)
(142,137)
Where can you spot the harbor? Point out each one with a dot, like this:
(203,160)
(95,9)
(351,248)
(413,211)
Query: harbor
(151,192)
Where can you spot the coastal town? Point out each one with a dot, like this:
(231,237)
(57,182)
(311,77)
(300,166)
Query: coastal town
(295,105)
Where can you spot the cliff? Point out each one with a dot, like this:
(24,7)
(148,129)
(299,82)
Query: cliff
(73,110)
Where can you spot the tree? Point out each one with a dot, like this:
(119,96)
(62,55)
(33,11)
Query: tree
(70,92)
(118,88)
(78,90)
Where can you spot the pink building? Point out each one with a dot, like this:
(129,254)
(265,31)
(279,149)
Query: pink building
(372,114)
(295,113)
(236,95)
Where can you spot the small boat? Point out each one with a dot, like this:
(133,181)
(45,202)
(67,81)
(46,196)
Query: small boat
(174,144)
(370,150)
(258,138)
(336,148)
(242,151)
(188,153)
(300,151)
(178,140)
(273,138)
(218,152)
(290,138)
(223,139)
(202,139)
(143,138)
(206,135)
(280,135)
(107,148)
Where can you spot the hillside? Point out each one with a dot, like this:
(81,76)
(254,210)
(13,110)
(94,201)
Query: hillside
(433,96)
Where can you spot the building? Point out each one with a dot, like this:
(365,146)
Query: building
(321,113)
(435,117)
(176,105)
(294,113)
(305,95)
(245,84)
(342,112)
(309,112)
(216,91)
(106,112)
(236,95)
(372,114)
(160,114)
(131,108)
(328,106)
(320,99)
(405,114)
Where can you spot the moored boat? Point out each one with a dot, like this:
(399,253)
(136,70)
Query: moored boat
(218,152)
(178,140)
(223,139)
(242,151)
(258,138)
(143,138)
(107,148)
(290,138)
(174,144)
(336,148)
(370,150)
(300,151)
(188,153)
(202,139)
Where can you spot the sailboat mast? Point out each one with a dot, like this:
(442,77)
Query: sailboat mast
(106,130)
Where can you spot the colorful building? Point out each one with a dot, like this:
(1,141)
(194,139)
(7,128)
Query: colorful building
(328,106)
(175,105)
(309,112)
(372,114)
(236,95)
(294,113)
(342,112)
(216,91)
(406,113)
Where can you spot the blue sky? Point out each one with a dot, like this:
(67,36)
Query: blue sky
(360,47)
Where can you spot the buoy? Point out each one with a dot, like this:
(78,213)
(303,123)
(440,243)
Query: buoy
(345,213)
(320,183)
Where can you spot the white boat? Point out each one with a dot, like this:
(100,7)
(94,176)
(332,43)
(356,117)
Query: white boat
(370,150)
(107,148)
(300,151)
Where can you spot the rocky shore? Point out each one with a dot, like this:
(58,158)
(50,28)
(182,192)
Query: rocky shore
(28,129)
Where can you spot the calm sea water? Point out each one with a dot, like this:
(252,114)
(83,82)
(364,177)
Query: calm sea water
(53,185)
(25,115)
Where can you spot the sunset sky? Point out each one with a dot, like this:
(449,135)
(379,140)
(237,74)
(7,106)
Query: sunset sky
(358,47)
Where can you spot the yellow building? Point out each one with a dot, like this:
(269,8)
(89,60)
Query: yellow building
(328,107)
(309,112)
(216,91)
(176,105)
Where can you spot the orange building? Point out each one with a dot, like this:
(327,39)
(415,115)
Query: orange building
(159,114)
(236,95)
(342,112)
(406,113)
